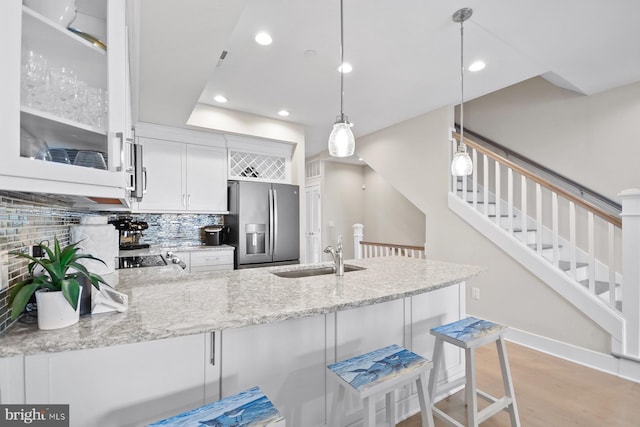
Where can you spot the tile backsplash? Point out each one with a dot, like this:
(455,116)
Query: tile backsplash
(28,219)
(175,229)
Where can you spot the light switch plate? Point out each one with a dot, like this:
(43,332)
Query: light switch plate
(4,270)
(475,293)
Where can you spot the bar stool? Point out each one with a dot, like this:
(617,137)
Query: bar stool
(379,372)
(249,408)
(469,334)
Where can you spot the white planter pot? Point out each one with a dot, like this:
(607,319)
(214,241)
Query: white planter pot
(54,311)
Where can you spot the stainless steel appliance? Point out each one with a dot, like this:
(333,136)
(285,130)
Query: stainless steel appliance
(263,223)
(156,260)
(141,261)
(130,232)
(215,235)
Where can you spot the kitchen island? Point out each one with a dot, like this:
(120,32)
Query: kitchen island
(190,339)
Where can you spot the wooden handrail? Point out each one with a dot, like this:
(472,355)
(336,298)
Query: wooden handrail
(392,245)
(522,171)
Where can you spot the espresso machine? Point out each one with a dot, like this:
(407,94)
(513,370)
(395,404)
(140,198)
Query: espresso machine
(130,232)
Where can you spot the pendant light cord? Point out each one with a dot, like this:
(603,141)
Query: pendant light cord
(341,62)
(463,146)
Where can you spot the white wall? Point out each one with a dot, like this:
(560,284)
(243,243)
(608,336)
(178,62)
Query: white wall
(594,140)
(388,216)
(342,202)
(413,156)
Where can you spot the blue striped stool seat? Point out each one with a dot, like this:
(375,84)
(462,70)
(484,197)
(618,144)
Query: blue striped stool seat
(380,372)
(250,408)
(469,334)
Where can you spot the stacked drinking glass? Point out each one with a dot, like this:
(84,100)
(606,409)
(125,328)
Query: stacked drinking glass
(59,91)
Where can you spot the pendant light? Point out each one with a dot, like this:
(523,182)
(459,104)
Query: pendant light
(461,164)
(341,141)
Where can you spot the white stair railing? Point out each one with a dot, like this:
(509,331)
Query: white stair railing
(571,233)
(364,249)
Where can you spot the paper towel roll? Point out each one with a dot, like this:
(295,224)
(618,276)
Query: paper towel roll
(98,239)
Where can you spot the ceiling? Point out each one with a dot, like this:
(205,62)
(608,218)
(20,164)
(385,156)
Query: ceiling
(405,56)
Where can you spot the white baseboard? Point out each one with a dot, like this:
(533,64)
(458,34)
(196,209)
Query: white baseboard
(622,368)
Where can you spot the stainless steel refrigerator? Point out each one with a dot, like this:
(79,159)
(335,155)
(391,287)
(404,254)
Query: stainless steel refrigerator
(264,223)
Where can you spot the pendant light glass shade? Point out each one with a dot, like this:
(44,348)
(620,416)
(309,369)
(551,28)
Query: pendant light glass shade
(341,141)
(461,164)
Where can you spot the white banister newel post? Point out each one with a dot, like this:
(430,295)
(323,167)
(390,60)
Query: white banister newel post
(631,269)
(358,235)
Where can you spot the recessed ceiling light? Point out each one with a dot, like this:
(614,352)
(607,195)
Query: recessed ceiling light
(283,113)
(263,39)
(477,66)
(345,68)
(220,98)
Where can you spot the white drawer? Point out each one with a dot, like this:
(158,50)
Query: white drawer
(210,268)
(211,258)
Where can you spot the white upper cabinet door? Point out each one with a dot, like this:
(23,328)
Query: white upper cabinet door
(206,179)
(183,177)
(66,111)
(165,163)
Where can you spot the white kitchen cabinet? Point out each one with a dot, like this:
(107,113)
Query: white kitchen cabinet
(286,359)
(434,309)
(183,177)
(127,385)
(205,261)
(23,29)
(12,380)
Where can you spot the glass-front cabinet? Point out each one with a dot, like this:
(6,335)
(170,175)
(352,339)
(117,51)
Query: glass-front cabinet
(65,118)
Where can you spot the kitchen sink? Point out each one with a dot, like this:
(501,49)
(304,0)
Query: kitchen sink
(316,271)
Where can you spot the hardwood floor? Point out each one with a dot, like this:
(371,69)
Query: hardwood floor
(549,392)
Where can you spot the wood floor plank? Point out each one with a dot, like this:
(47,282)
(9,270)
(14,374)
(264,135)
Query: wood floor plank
(550,392)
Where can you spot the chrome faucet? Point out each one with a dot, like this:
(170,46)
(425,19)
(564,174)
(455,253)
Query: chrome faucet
(338,259)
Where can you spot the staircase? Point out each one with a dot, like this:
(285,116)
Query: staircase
(572,243)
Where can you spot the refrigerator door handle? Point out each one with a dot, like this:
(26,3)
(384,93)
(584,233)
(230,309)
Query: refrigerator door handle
(271,221)
(275,221)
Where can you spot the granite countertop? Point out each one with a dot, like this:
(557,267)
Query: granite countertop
(165,302)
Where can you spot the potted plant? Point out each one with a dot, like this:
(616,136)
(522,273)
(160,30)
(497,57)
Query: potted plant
(57,288)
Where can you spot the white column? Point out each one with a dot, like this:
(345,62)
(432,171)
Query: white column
(631,269)
(358,235)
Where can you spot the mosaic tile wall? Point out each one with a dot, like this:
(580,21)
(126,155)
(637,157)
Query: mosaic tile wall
(175,229)
(26,220)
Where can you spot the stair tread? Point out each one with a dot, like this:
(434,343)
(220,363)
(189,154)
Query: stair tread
(601,287)
(566,265)
(534,246)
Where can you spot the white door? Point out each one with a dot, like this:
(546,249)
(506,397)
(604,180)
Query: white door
(314,245)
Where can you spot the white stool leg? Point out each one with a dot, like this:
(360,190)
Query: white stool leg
(369,406)
(425,401)
(337,407)
(390,406)
(470,388)
(435,371)
(508,383)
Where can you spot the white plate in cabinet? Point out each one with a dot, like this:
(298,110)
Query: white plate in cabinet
(206,261)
